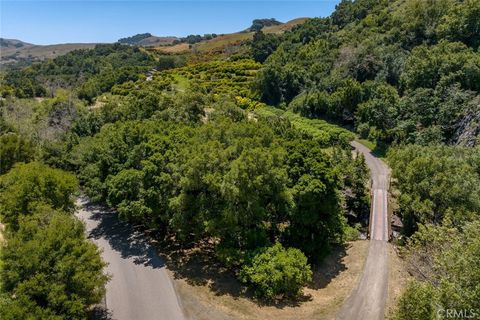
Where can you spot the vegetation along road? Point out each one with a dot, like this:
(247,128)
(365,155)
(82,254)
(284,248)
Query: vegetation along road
(140,287)
(367,301)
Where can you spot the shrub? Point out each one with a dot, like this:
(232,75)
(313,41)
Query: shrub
(276,271)
(352,233)
(416,303)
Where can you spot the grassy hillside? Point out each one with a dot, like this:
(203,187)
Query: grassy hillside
(147,39)
(229,43)
(12,43)
(30,52)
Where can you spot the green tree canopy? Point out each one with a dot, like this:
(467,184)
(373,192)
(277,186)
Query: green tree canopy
(27,186)
(276,271)
(49,270)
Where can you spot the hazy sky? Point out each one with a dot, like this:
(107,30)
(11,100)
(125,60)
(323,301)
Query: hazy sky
(44,22)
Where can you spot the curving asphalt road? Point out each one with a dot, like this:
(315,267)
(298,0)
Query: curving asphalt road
(367,301)
(140,287)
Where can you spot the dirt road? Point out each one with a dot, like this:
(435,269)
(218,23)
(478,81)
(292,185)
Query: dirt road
(367,301)
(140,287)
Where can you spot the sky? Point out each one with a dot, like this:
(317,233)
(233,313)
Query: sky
(63,21)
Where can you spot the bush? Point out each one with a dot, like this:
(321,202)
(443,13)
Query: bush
(363,130)
(352,233)
(14,148)
(416,303)
(276,271)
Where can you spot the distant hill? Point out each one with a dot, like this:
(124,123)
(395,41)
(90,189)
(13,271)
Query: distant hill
(12,43)
(147,40)
(227,42)
(17,51)
(14,51)
(259,24)
(135,39)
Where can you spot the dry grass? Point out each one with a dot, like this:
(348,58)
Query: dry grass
(224,42)
(42,52)
(398,278)
(210,292)
(284,27)
(175,49)
(221,42)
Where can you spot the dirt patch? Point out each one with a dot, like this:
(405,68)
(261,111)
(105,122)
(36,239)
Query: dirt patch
(398,278)
(208,291)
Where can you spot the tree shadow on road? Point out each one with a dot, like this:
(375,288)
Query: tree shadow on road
(124,238)
(196,263)
(100,313)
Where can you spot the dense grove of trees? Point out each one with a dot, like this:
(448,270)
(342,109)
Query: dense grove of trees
(437,183)
(195,153)
(49,270)
(28,186)
(395,79)
(406,73)
(91,72)
(187,153)
(259,24)
(263,45)
(237,181)
(195,38)
(134,39)
(439,202)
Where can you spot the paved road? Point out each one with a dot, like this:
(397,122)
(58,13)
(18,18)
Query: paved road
(367,301)
(140,287)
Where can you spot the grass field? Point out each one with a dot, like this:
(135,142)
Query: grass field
(220,42)
(285,26)
(175,49)
(35,52)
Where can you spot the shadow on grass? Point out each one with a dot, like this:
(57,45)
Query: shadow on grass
(198,266)
(329,268)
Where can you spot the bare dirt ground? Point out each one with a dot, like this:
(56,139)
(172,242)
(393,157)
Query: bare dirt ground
(398,278)
(210,292)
